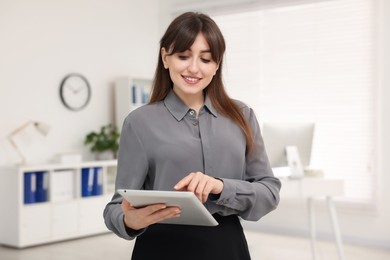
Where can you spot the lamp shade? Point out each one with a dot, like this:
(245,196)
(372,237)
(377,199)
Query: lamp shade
(27,140)
(43,128)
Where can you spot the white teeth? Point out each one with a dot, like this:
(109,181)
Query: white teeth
(191,79)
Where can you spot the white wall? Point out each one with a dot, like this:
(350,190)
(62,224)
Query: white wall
(42,40)
(372,228)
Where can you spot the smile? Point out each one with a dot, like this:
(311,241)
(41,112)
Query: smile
(191,80)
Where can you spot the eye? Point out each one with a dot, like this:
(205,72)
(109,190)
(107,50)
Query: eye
(205,60)
(183,57)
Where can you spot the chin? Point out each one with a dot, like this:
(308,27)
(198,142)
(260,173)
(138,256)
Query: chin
(194,92)
(191,90)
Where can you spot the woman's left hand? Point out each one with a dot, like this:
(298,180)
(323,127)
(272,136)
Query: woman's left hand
(200,184)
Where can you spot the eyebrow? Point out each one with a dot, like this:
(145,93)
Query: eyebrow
(204,51)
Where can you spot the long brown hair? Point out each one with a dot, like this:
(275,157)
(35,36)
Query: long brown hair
(179,37)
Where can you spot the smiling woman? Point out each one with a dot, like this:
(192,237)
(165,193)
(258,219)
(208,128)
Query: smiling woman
(192,137)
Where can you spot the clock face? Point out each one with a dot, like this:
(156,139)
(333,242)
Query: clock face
(75,92)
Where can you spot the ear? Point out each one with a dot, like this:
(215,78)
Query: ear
(164,56)
(216,69)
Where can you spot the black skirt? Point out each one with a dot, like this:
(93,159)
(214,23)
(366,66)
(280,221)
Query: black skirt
(170,242)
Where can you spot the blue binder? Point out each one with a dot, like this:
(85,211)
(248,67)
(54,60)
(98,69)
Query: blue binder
(41,188)
(29,187)
(97,188)
(134,94)
(144,96)
(87,175)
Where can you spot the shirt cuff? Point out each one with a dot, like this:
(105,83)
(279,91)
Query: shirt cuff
(130,233)
(228,192)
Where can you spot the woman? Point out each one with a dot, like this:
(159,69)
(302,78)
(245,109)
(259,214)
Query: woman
(192,137)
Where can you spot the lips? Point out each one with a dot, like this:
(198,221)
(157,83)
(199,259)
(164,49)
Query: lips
(191,80)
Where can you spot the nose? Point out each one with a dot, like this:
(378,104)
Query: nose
(193,67)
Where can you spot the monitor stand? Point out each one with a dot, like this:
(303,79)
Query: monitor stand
(294,162)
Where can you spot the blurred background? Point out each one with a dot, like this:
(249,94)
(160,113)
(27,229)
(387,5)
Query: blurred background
(323,61)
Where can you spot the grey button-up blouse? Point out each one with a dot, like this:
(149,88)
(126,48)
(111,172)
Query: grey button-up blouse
(163,142)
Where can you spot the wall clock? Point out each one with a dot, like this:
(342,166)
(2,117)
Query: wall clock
(75,91)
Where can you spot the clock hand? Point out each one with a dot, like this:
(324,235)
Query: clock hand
(72,88)
(79,89)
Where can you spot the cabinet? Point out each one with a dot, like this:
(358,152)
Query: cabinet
(130,93)
(37,210)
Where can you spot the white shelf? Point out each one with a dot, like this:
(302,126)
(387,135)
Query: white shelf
(57,218)
(130,93)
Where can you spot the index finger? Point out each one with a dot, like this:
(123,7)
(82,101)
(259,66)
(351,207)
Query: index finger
(183,182)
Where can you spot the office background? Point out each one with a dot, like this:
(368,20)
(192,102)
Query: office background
(42,41)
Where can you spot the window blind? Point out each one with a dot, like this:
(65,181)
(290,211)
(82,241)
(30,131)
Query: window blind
(312,62)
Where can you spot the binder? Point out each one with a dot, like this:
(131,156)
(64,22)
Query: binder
(97,188)
(87,175)
(145,96)
(29,187)
(138,95)
(134,94)
(41,188)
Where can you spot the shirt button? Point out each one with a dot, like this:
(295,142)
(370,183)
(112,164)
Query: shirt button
(195,123)
(192,112)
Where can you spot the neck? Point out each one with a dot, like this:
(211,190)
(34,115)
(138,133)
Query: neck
(195,101)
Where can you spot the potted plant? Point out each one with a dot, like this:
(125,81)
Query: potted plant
(104,143)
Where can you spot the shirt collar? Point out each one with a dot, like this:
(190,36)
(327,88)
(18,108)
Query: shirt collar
(178,109)
(209,106)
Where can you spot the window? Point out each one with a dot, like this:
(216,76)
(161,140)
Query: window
(312,61)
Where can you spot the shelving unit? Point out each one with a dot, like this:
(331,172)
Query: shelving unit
(130,93)
(61,212)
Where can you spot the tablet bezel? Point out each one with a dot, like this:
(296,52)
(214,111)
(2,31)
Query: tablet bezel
(193,212)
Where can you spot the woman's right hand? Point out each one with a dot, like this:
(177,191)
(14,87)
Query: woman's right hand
(138,218)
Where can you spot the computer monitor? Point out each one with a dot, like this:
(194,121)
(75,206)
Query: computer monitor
(288,144)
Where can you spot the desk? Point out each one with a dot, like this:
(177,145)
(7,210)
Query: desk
(309,188)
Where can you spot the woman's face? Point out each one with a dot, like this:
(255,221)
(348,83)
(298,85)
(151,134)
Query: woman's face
(191,71)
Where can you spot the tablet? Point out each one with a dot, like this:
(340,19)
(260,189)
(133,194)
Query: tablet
(193,212)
